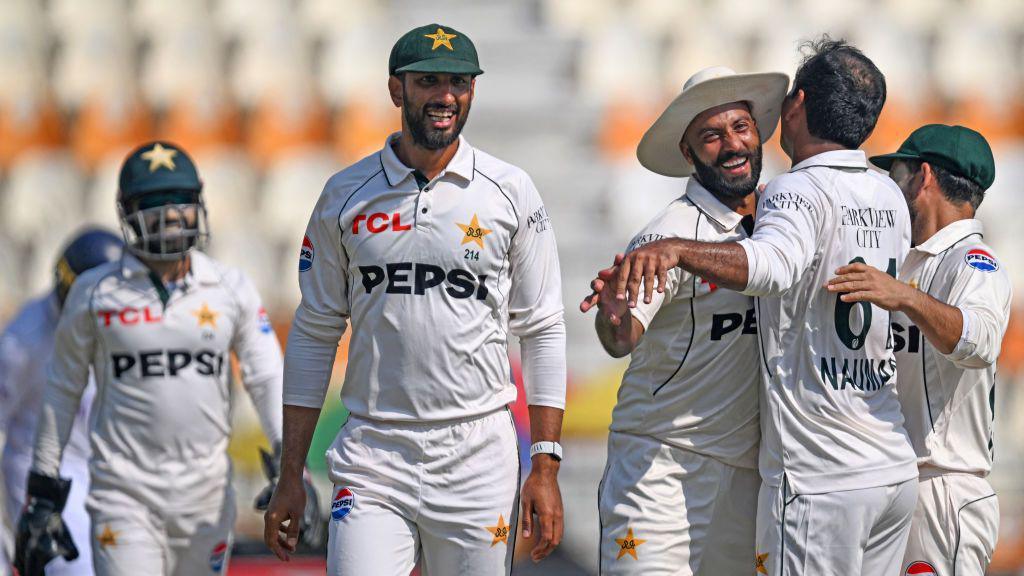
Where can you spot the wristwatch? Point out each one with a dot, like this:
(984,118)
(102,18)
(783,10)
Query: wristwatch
(552,448)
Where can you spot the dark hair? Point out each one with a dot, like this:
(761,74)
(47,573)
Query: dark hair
(843,91)
(956,188)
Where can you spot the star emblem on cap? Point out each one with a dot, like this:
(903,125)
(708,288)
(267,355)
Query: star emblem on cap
(441,38)
(206,316)
(473,232)
(108,537)
(628,545)
(500,532)
(160,157)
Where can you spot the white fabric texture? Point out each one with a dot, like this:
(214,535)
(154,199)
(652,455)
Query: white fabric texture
(688,514)
(693,378)
(861,531)
(446,490)
(160,425)
(955,526)
(433,281)
(830,416)
(948,400)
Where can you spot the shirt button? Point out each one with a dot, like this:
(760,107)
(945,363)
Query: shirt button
(424,211)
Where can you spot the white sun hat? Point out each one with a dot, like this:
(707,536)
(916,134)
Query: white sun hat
(659,149)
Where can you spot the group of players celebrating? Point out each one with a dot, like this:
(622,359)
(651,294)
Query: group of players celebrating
(810,390)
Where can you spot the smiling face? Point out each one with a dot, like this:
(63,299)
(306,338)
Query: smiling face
(724,146)
(435,106)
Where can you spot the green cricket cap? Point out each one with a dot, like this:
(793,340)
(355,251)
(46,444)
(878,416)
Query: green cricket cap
(960,150)
(434,48)
(156,166)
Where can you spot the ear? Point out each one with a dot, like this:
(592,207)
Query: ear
(396,90)
(792,105)
(685,150)
(927,176)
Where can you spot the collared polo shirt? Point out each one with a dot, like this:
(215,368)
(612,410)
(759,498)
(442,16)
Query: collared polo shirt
(433,279)
(693,378)
(949,399)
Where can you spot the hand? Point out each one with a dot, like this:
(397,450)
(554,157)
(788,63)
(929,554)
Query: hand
(541,496)
(311,530)
(644,264)
(862,283)
(283,518)
(42,534)
(603,296)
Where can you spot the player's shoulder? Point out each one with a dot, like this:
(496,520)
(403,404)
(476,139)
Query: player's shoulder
(511,179)
(973,254)
(359,176)
(678,219)
(211,271)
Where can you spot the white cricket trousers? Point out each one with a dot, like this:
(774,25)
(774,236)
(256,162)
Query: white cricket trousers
(445,493)
(955,526)
(130,538)
(835,533)
(665,510)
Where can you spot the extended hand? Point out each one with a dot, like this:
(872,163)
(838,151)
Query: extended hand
(541,497)
(603,296)
(862,283)
(644,264)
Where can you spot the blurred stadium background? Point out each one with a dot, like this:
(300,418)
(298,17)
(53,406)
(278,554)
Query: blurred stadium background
(273,96)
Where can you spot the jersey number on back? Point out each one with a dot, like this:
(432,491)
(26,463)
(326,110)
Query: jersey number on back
(855,340)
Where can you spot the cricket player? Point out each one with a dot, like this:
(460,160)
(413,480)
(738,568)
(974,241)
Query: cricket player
(435,252)
(950,308)
(25,349)
(681,478)
(839,473)
(157,328)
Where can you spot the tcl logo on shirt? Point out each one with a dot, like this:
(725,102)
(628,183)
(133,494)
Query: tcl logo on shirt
(129,316)
(379,222)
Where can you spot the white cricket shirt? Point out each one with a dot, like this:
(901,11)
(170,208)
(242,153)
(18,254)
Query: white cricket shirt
(160,423)
(433,280)
(949,399)
(693,378)
(830,417)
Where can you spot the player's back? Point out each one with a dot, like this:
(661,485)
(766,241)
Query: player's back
(830,417)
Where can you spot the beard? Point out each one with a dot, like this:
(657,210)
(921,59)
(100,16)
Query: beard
(720,185)
(424,135)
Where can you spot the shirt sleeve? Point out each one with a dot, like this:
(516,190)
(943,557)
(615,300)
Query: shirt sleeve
(785,237)
(67,378)
(535,300)
(984,301)
(259,356)
(321,317)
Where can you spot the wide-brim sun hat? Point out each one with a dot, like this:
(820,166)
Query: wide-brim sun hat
(659,151)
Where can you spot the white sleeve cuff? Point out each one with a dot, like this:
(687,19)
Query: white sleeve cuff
(965,347)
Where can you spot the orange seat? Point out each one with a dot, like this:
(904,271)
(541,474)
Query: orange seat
(198,125)
(24,129)
(622,129)
(360,129)
(105,126)
(280,124)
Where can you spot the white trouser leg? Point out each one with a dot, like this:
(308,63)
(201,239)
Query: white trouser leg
(665,510)
(834,533)
(955,526)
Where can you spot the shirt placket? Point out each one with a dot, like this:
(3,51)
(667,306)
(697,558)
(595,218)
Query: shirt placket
(425,206)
